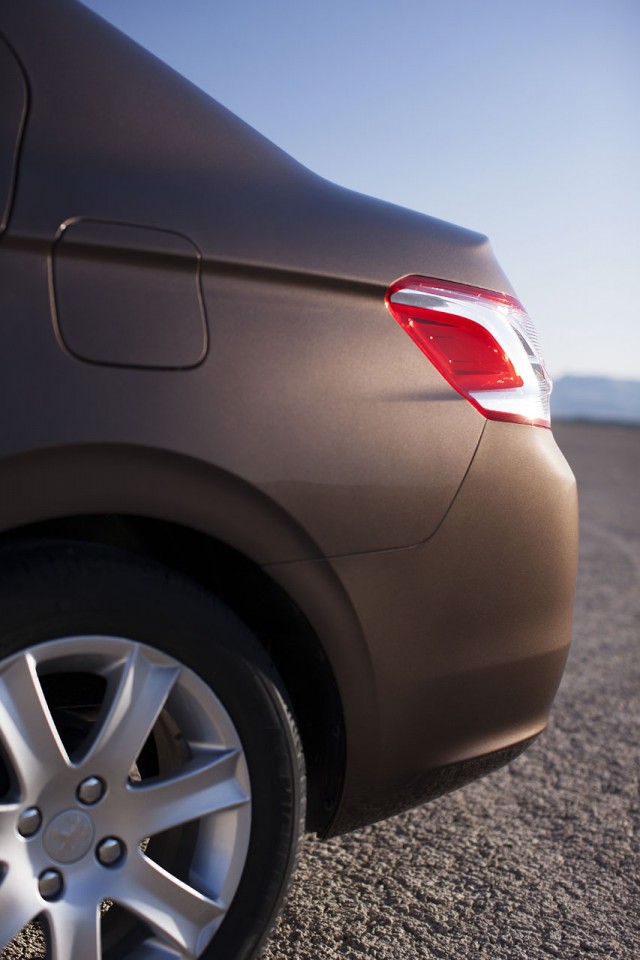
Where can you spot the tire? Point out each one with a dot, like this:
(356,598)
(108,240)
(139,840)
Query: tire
(151,775)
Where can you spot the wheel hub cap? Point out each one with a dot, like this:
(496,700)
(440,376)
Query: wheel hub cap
(69,836)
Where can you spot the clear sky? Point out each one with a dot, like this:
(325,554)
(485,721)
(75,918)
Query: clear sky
(518,118)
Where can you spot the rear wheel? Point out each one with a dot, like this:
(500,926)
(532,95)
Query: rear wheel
(151,778)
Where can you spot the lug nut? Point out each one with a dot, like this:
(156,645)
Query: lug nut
(90,791)
(50,884)
(110,851)
(29,822)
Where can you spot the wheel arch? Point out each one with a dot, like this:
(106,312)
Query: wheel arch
(111,478)
(199,521)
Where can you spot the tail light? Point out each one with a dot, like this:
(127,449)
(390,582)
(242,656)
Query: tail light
(482,342)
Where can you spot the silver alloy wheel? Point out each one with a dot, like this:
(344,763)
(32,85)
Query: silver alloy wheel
(149,809)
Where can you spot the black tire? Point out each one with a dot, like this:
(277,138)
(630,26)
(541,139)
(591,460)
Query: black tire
(52,594)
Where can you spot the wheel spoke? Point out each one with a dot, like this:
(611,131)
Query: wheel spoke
(11,849)
(8,817)
(207,785)
(17,908)
(74,932)
(140,690)
(29,735)
(175,912)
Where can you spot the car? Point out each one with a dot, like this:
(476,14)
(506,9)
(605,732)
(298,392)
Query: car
(287,544)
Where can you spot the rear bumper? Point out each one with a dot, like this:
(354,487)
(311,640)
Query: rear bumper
(463,638)
(428,785)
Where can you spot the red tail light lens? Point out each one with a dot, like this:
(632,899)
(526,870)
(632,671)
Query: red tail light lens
(482,342)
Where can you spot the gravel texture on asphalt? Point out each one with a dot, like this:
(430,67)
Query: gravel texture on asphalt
(542,858)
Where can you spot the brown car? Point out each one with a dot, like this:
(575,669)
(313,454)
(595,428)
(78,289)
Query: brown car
(287,541)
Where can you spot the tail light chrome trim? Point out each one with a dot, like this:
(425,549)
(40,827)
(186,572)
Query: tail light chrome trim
(482,342)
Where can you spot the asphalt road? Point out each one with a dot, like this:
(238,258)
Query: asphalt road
(542,858)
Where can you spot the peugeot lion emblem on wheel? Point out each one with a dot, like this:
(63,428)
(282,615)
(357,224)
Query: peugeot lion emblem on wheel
(69,836)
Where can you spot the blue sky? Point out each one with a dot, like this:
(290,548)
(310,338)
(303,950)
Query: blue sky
(518,118)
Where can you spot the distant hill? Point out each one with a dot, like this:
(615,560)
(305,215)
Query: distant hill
(596,398)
